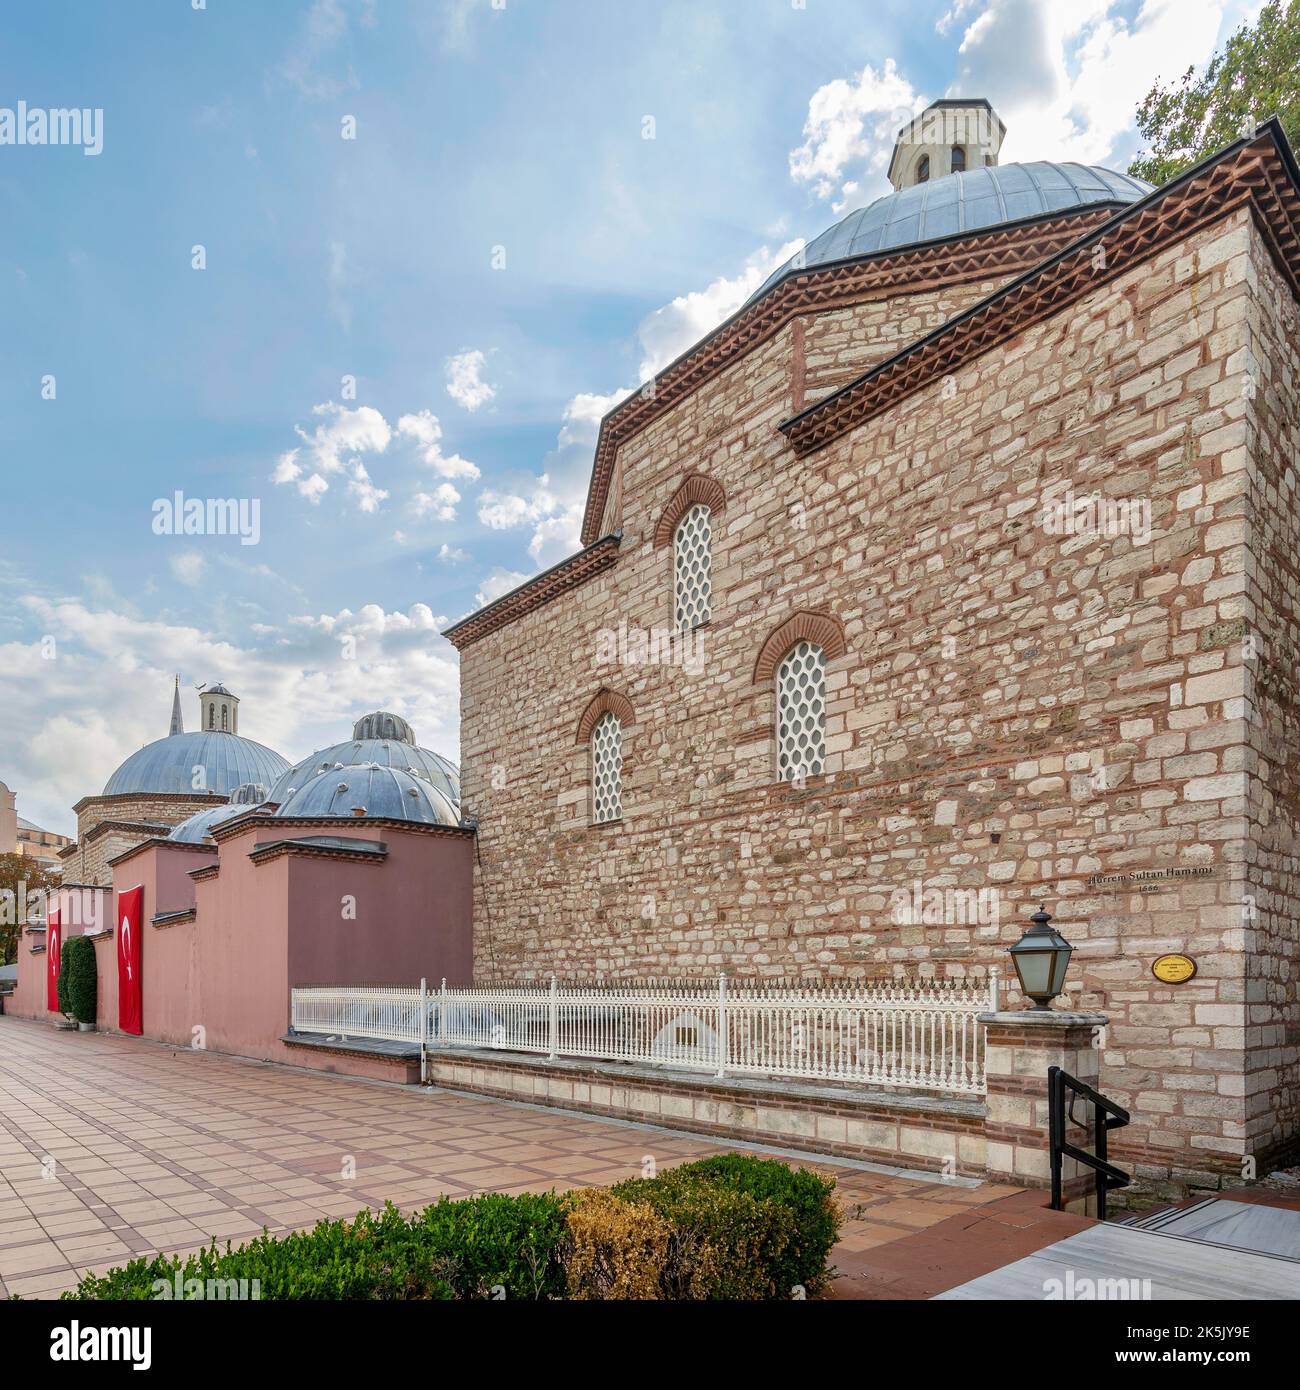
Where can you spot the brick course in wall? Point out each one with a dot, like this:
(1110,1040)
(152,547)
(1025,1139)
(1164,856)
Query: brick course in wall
(109,825)
(1075,720)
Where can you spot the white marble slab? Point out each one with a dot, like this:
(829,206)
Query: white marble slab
(1241,1225)
(1121,1262)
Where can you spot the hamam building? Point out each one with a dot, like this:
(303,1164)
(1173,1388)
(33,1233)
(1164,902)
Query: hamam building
(979,523)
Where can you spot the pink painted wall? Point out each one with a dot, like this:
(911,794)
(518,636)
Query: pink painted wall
(223,981)
(81,909)
(410,915)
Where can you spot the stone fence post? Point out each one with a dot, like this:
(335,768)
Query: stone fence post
(1020,1046)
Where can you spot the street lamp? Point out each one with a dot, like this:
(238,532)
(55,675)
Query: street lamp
(1040,958)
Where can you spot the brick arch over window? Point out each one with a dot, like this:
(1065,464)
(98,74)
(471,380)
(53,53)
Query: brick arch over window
(803,626)
(605,702)
(695,488)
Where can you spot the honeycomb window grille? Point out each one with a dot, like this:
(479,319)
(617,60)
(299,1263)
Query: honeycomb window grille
(607,770)
(801,713)
(693,567)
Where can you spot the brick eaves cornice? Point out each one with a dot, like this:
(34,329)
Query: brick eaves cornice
(278,849)
(159,842)
(1258,171)
(1003,249)
(206,798)
(541,589)
(229,829)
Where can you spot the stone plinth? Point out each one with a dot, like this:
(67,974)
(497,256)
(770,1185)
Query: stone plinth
(1020,1047)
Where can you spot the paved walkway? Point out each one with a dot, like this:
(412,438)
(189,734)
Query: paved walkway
(113,1147)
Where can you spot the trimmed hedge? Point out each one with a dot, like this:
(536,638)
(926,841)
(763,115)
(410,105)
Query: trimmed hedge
(770,1227)
(805,1194)
(481,1247)
(77,967)
(732,1227)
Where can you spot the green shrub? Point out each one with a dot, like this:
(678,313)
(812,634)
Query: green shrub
(64,982)
(808,1196)
(727,1243)
(463,1249)
(79,970)
(725,1228)
(497,1241)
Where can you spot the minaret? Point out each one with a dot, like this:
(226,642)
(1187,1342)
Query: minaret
(178,726)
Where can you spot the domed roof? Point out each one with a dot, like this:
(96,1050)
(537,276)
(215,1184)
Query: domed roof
(965,202)
(381,724)
(168,765)
(195,830)
(379,791)
(379,737)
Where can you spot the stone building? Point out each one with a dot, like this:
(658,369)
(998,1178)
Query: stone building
(19,836)
(166,782)
(953,576)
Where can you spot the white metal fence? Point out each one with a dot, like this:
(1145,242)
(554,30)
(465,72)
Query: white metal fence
(919,1034)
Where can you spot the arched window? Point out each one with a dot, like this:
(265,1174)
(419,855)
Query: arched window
(607,769)
(212,716)
(693,560)
(225,717)
(801,712)
(923,169)
(958,160)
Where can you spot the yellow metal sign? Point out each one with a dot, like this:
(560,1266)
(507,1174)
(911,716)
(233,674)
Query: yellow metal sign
(1174,969)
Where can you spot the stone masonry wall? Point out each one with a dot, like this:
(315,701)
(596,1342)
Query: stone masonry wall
(89,861)
(1271,911)
(1049,717)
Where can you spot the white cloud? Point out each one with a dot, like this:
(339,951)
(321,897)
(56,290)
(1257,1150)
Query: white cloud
(188,567)
(344,434)
(367,494)
(499,582)
(334,446)
(505,511)
(70,720)
(441,503)
(670,331)
(465,384)
(852,124)
(1081,70)
(450,555)
(426,430)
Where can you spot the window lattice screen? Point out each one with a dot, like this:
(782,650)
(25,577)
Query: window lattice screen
(801,713)
(694,563)
(607,769)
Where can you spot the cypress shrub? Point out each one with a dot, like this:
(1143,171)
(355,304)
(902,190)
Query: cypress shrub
(81,973)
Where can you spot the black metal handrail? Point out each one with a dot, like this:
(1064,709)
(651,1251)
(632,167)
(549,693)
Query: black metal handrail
(1106,1115)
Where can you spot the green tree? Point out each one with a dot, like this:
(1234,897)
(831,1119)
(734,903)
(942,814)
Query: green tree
(23,885)
(1253,78)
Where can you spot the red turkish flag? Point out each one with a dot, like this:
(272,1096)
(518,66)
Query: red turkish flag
(53,950)
(130,1002)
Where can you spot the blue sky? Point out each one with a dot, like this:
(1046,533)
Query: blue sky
(493,259)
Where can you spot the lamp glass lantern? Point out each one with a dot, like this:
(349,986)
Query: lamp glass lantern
(1041,958)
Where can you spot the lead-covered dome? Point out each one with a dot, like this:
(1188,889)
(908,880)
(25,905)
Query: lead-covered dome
(965,202)
(382,738)
(371,791)
(171,766)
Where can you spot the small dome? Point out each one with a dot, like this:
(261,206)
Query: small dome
(170,765)
(373,791)
(966,202)
(250,794)
(405,756)
(381,725)
(194,831)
